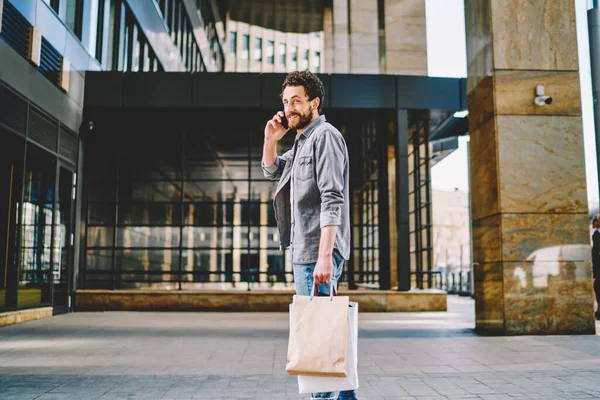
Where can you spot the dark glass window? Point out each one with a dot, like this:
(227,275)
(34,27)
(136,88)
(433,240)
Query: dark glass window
(54,4)
(258,49)
(232,43)
(103,14)
(74,16)
(282,53)
(271,52)
(251,213)
(192,211)
(37,218)
(305,61)
(245,47)
(11,176)
(209,19)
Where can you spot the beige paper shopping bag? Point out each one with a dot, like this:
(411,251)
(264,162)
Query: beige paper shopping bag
(318,384)
(318,343)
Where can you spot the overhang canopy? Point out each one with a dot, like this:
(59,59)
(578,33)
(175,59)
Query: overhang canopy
(440,96)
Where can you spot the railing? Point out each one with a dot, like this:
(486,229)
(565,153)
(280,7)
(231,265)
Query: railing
(456,281)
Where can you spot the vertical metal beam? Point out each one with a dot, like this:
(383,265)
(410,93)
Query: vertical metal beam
(249,208)
(402,201)
(428,216)
(182,139)
(383,204)
(115,230)
(418,231)
(79,250)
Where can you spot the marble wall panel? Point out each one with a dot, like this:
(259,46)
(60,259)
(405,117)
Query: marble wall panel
(544,297)
(515,92)
(484,171)
(571,300)
(479,41)
(363,5)
(489,296)
(368,41)
(417,301)
(547,237)
(487,239)
(480,103)
(534,34)
(364,22)
(541,164)
(341,39)
(406,63)
(329,48)
(364,56)
(405,37)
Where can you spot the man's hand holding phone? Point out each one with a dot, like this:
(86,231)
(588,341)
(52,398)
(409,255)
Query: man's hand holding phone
(276,128)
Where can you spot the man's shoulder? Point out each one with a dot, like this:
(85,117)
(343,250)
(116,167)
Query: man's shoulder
(325,129)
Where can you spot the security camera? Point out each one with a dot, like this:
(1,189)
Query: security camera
(540,98)
(91,125)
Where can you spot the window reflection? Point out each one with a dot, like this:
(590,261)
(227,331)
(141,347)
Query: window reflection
(36,228)
(190,213)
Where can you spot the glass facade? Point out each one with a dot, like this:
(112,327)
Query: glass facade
(37,242)
(195,211)
(111,35)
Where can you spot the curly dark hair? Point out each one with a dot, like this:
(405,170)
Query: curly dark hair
(312,85)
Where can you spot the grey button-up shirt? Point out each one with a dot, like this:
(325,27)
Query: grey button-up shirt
(320,193)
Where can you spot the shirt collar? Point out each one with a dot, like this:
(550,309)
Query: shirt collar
(309,130)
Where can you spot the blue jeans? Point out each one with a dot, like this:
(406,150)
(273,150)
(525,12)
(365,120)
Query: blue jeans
(303,277)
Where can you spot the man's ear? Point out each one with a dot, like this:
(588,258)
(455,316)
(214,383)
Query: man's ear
(316,102)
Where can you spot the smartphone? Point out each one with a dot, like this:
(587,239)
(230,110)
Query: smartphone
(284,122)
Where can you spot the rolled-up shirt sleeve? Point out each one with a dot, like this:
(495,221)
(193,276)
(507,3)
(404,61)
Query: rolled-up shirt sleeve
(330,159)
(271,170)
(274,171)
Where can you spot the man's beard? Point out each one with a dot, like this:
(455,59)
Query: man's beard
(304,120)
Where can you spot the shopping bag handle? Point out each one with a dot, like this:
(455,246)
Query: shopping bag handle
(314,289)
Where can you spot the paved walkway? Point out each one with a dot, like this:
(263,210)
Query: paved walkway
(130,355)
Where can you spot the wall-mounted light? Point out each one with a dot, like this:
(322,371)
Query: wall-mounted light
(540,98)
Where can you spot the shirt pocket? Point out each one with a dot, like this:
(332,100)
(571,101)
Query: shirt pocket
(304,169)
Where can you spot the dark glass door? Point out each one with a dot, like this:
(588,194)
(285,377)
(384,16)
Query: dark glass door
(11,178)
(62,265)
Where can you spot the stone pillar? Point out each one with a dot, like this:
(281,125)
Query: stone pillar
(328,47)
(405,37)
(376,37)
(529,210)
(341,40)
(364,37)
